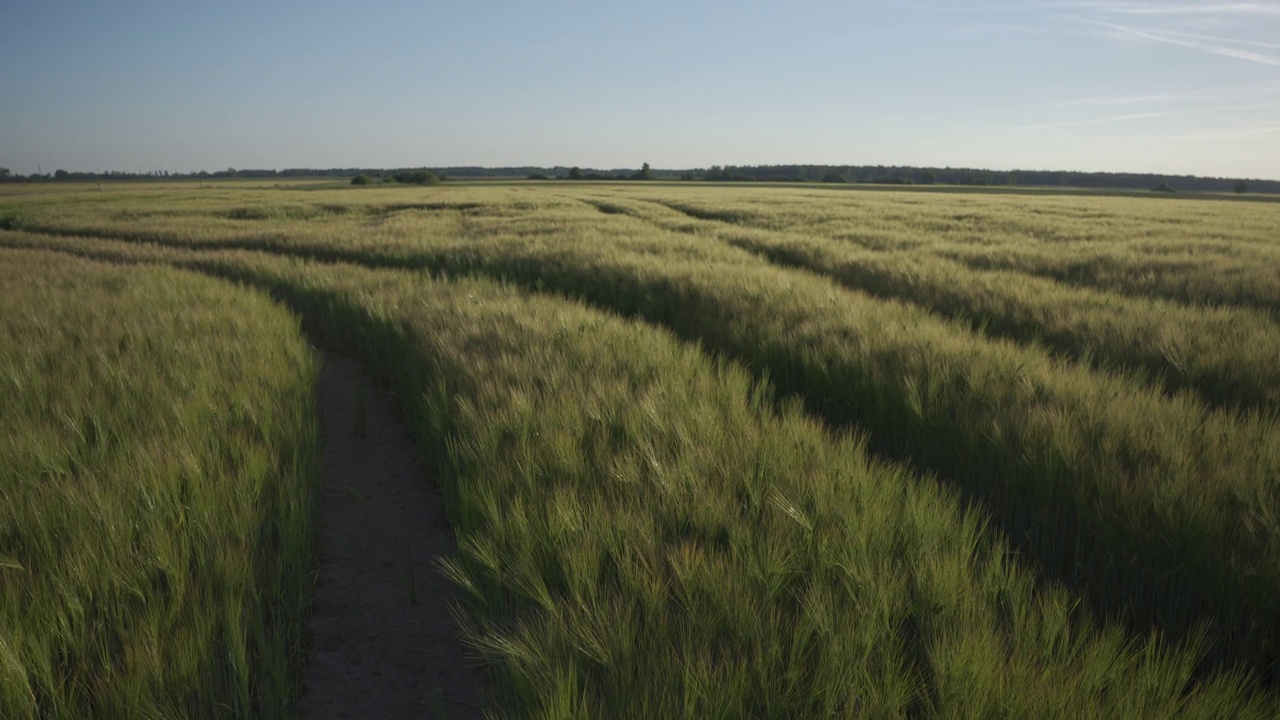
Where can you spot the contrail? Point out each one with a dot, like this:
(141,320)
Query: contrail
(1193,44)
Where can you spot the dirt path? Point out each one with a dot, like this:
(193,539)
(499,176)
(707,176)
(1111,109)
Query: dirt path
(383,641)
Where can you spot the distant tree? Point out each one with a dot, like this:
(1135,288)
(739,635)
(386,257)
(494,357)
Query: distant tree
(645,173)
(361,180)
(1242,187)
(417,177)
(833,177)
(537,176)
(575,173)
(929,178)
(4,173)
(60,174)
(1164,186)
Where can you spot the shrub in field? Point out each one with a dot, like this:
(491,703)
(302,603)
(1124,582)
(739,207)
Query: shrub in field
(157,444)
(12,218)
(361,180)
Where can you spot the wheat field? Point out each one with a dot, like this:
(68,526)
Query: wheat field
(708,451)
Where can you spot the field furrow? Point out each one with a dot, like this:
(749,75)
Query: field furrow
(1186,278)
(1193,252)
(1230,357)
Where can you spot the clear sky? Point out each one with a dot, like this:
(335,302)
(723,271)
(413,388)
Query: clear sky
(1183,86)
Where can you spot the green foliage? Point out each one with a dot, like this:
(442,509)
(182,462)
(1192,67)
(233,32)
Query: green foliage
(1164,186)
(13,218)
(1241,187)
(361,180)
(833,177)
(416,177)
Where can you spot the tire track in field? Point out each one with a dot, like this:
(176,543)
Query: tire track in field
(1167,370)
(1164,370)
(1140,282)
(383,639)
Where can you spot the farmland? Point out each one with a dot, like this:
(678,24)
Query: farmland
(707,451)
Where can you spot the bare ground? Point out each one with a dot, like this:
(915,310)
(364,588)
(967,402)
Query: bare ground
(383,642)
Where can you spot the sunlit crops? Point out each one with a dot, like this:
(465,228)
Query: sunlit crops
(1032,470)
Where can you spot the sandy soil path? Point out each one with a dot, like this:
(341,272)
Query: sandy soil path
(383,641)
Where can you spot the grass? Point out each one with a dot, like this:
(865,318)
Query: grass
(157,445)
(1090,521)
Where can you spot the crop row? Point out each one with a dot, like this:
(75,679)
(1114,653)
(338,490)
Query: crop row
(1230,357)
(1020,278)
(157,445)
(1192,252)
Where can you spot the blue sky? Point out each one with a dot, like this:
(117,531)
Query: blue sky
(1177,87)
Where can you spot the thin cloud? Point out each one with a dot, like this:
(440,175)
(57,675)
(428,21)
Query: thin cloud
(1204,133)
(1212,38)
(1092,121)
(1158,36)
(1006,28)
(1211,8)
(1250,92)
(1126,100)
(1221,133)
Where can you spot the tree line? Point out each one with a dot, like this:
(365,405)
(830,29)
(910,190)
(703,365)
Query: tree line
(878,174)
